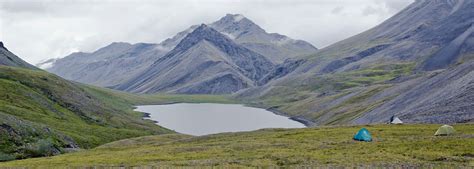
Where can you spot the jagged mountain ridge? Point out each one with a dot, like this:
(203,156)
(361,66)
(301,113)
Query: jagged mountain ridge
(204,59)
(117,63)
(274,46)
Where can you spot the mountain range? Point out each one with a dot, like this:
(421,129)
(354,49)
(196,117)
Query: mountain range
(205,61)
(416,65)
(222,53)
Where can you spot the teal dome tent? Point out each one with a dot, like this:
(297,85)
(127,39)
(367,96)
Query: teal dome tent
(363,135)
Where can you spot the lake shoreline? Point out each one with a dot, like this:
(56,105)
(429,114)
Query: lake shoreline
(229,118)
(302,120)
(147,116)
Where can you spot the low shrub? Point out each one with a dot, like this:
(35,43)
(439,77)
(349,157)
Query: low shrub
(6,157)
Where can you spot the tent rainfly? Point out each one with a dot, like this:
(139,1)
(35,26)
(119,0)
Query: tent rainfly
(363,135)
(395,120)
(445,130)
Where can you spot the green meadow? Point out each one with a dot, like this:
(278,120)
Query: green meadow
(411,145)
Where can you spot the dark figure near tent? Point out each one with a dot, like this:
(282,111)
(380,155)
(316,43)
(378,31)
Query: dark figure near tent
(363,135)
(395,120)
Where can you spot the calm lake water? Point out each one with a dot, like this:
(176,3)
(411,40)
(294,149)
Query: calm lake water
(209,118)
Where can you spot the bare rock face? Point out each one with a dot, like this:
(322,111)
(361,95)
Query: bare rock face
(434,34)
(281,70)
(446,97)
(205,61)
(1,46)
(9,59)
(274,46)
(334,65)
(222,84)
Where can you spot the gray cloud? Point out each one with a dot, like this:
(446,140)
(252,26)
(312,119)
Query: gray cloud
(337,10)
(38,30)
(394,5)
(23,6)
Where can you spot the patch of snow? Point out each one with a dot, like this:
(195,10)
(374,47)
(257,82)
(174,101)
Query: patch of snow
(228,35)
(189,30)
(163,48)
(283,41)
(456,5)
(238,18)
(46,65)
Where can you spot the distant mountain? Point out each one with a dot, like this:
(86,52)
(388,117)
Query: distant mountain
(46,64)
(117,63)
(243,31)
(274,46)
(205,61)
(416,65)
(9,59)
(108,66)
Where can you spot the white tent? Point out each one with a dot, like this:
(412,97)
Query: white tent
(396,120)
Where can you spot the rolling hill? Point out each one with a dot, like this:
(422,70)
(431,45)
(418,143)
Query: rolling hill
(42,114)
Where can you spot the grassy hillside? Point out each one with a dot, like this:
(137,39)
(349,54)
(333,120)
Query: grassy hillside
(374,94)
(334,98)
(144,99)
(42,114)
(393,145)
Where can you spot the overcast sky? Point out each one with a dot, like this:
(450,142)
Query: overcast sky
(38,30)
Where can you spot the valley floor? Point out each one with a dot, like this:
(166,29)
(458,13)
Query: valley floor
(393,145)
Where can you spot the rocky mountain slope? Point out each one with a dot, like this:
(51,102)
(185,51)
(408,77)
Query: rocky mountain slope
(7,58)
(42,114)
(274,46)
(118,63)
(416,65)
(107,66)
(205,61)
(439,97)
